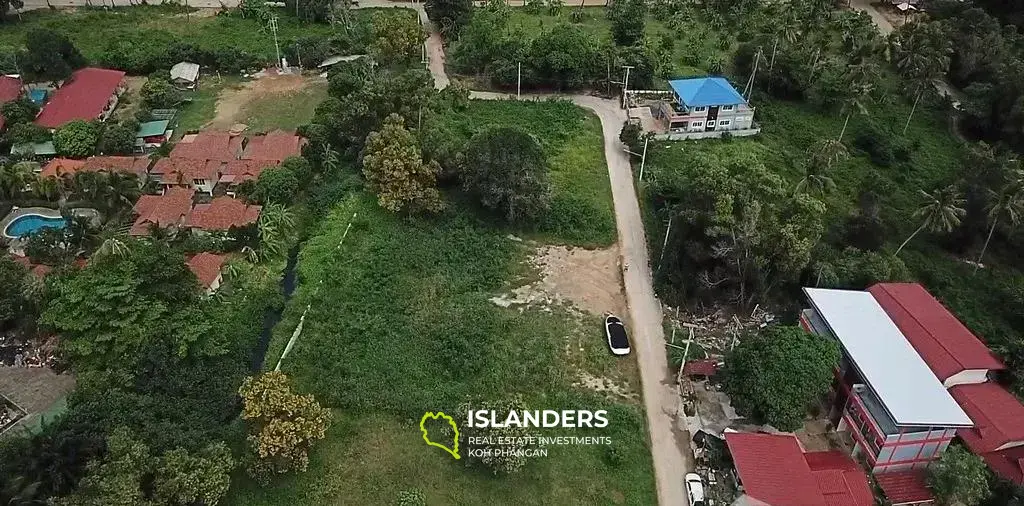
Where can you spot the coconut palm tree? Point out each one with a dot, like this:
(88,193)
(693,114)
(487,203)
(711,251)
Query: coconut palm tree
(330,158)
(1006,204)
(46,188)
(826,153)
(122,190)
(815,181)
(14,178)
(275,226)
(860,88)
(942,210)
(921,53)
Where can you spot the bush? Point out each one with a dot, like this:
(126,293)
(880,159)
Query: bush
(26,133)
(277,185)
(119,138)
(76,139)
(883,146)
(159,93)
(19,111)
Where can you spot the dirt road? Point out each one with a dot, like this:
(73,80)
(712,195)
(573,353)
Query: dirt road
(661,402)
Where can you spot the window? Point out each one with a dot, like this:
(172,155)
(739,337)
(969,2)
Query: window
(199,182)
(724,122)
(697,124)
(679,125)
(727,107)
(699,109)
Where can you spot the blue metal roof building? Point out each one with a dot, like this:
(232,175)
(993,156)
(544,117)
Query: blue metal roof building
(706,92)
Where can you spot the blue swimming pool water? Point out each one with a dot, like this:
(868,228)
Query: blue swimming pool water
(32,223)
(38,96)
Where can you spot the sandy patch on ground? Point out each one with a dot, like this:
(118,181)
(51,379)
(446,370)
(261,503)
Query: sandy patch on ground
(232,101)
(590,280)
(131,99)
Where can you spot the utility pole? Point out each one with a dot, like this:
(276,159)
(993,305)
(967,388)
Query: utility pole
(664,244)
(643,158)
(273,28)
(625,88)
(519,79)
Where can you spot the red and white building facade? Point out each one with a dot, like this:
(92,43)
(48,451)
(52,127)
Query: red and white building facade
(899,414)
(912,376)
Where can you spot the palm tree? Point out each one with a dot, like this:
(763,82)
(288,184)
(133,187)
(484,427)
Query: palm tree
(122,191)
(860,79)
(14,178)
(330,158)
(941,211)
(275,225)
(815,180)
(46,188)
(921,53)
(1007,203)
(826,153)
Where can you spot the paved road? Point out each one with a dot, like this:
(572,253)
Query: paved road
(669,445)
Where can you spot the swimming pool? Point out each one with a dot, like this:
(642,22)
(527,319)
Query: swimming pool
(32,223)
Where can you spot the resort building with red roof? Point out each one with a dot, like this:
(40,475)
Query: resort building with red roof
(89,94)
(10,90)
(207,268)
(60,167)
(775,470)
(163,211)
(222,213)
(275,146)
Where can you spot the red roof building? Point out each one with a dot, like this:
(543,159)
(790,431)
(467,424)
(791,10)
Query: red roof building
(10,90)
(952,352)
(168,210)
(60,167)
(206,266)
(904,487)
(237,171)
(998,416)
(200,174)
(706,367)
(87,95)
(220,146)
(774,470)
(274,146)
(138,165)
(223,213)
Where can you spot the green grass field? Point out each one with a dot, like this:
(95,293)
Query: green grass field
(581,209)
(285,111)
(402,324)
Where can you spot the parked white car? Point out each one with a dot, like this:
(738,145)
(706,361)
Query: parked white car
(695,489)
(615,331)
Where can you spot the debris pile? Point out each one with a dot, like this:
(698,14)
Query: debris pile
(717,331)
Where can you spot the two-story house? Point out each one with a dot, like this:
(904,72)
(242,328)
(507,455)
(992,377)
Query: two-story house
(705,107)
(898,413)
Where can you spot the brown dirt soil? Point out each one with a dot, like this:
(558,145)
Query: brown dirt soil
(588,279)
(232,101)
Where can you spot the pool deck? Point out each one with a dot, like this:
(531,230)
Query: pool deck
(25,211)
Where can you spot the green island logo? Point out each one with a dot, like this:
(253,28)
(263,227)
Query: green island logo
(454,450)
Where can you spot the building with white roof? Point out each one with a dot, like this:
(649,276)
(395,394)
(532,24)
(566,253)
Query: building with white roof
(898,413)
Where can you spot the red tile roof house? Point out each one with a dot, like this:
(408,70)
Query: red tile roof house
(963,363)
(60,167)
(274,146)
(207,268)
(169,210)
(240,171)
(89,94)
(198,174)
(10,90)
(220,146)
(222,213)
(775,470)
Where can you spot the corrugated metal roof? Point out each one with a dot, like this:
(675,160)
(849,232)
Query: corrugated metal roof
(899,377)
(185,71)
(706,91)
(152,128)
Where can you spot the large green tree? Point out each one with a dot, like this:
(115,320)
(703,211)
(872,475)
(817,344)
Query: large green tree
(776,373)
(395,170)
(76,139)
(627,18)
(276,184)
(19,111)
(449,15)
(959,478)
(508,170)
(12,280)
(49,55)
(111,312)
(397,39)
(283,425)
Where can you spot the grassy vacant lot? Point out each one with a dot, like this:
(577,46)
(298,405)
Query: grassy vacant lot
(285,110)
(202,106)
(402,324)
(581,211)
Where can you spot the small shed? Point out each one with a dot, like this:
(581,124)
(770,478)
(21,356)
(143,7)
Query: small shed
(151,134)
(185,75)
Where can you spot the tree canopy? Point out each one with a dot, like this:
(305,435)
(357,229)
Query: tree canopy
(508,170)
(49,55)
(778,372)
(76,139)
(395,170)
(959,478)
(276,184)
